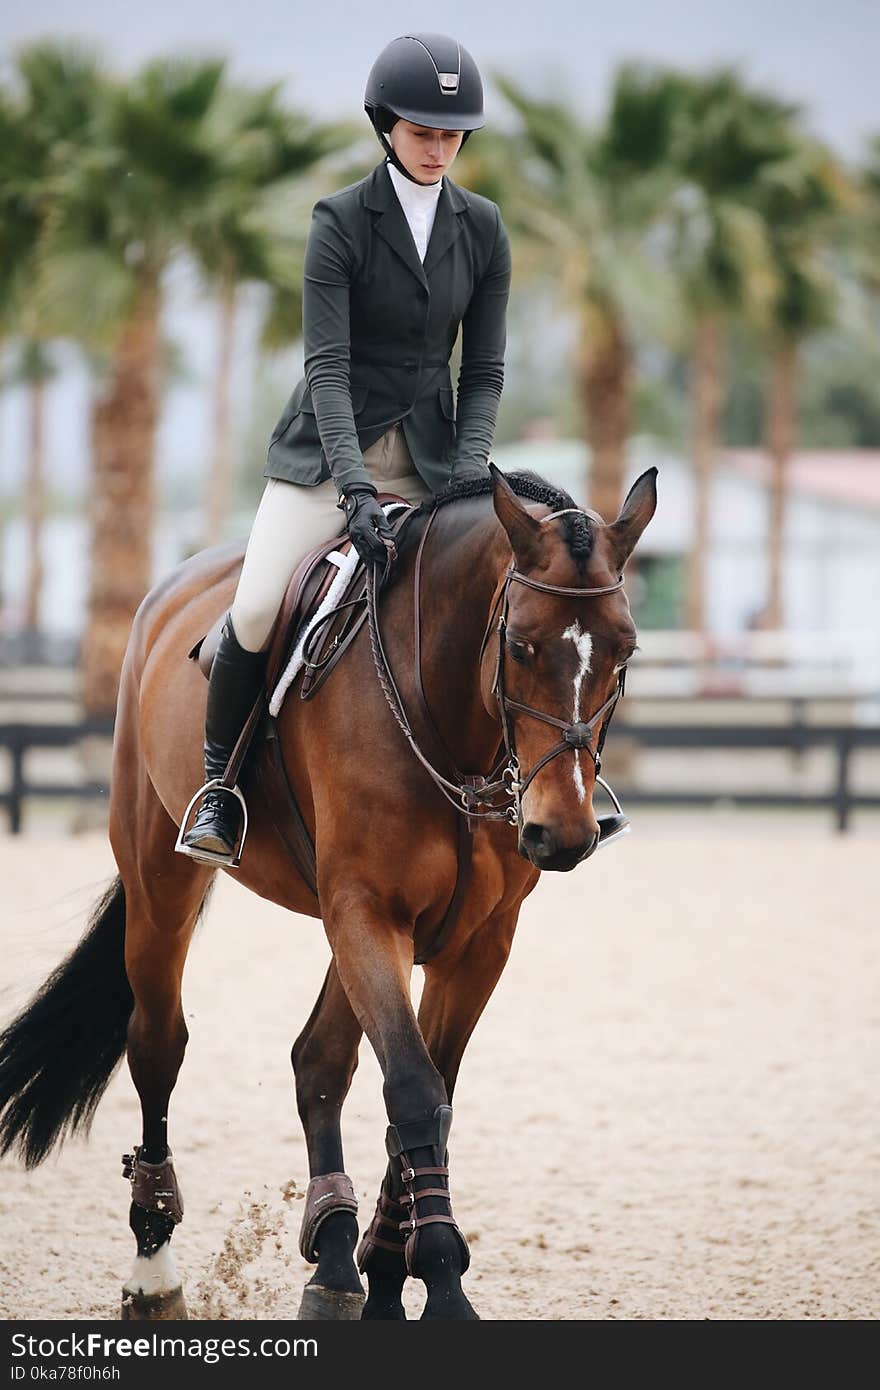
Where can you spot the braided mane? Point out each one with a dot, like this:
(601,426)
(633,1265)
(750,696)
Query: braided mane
(576,529)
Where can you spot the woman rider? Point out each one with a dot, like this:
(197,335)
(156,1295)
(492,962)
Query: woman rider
(394,265)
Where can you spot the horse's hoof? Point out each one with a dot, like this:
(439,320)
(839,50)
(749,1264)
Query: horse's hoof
(329,1305)
(383,1312)
(153,1307)
(449,1306)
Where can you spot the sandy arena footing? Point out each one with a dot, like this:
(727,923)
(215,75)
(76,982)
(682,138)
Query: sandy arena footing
(668,1109)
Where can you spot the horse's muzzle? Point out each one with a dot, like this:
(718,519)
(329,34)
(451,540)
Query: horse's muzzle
(539,844)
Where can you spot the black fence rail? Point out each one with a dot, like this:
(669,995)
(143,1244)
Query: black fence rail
(845,740)
(18,738)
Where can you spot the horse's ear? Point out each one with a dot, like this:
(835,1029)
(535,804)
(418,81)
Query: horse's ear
(636,512)
(524,532)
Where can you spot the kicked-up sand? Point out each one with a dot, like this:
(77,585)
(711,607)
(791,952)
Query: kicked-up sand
(668,1110)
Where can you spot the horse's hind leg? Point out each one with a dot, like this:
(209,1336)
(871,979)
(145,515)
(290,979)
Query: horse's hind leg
(324,1059)
(157,1038)
(164,893)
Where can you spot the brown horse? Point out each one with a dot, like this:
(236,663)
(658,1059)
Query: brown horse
(525,634)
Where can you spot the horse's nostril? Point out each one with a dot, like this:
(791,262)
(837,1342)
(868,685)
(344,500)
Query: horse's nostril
(538,841)
(593,844)
(539,844)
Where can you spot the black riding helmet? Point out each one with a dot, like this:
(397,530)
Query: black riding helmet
(428,79)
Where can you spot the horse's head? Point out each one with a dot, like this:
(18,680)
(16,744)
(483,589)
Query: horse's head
(554,671)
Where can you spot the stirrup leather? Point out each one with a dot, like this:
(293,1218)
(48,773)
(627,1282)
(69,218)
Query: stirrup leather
(211,856)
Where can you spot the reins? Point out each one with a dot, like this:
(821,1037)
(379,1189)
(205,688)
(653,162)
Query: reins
(463,795)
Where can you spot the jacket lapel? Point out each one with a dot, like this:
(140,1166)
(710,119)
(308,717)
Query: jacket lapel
(447,224)
(392,226)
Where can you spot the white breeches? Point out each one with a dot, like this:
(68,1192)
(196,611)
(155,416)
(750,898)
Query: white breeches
(291,519)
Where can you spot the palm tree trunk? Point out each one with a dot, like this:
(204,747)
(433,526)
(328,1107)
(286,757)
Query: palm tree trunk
(220,475)
(780,441)
(124,417)
(35,502)
(605,371)
(707,423)
(605,378)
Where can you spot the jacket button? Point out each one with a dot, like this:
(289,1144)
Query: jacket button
(411,367)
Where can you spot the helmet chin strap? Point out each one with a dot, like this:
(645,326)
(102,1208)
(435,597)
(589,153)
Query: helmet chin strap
(389,150)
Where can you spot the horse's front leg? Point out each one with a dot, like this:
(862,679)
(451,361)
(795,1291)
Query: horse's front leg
(457,988)
(374,956)
(324,1059)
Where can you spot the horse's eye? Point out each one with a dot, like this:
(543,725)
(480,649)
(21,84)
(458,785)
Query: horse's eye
(519,650)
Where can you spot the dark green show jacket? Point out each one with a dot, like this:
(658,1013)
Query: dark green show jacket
(379,328)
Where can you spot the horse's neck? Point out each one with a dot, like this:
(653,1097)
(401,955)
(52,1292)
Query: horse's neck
(465,558)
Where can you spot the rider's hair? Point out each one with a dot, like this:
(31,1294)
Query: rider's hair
(576,528)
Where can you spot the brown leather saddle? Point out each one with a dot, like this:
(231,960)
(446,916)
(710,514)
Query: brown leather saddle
(304,595)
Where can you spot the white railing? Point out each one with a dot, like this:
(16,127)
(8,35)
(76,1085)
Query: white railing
(764,665)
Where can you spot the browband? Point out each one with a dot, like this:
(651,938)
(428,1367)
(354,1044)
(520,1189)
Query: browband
(580,511)
(560,589)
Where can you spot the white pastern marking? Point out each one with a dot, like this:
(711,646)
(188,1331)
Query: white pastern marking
(153,1274)
(584,645)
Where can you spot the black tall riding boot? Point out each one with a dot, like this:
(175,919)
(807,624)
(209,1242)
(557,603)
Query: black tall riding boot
(236,680)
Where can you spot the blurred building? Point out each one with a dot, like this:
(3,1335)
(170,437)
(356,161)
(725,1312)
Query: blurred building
(832,548)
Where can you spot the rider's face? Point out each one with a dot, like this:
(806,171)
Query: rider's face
(425,153)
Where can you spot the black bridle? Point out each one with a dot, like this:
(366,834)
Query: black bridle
(577,735)
(476,796)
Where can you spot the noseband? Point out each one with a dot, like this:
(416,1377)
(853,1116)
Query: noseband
(477,796)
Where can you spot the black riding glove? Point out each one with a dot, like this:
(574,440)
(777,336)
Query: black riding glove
(367,524)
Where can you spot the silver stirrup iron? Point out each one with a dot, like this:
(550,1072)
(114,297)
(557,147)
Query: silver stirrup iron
(612,796)
(210,856)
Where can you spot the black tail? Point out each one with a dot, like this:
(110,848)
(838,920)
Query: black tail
(58,1055)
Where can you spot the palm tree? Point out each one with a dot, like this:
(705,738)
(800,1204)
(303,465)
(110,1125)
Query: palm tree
(590,201)
(861,245)
(240,233)
(34,369)
(726,135)
(29,133)
(19,224)
(20,162)
(136,173)
(804,200)
(120,201)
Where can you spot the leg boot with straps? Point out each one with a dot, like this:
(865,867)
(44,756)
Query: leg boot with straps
(237,677)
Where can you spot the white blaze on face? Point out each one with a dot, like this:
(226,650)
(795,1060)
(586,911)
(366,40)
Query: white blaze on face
(584,646)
